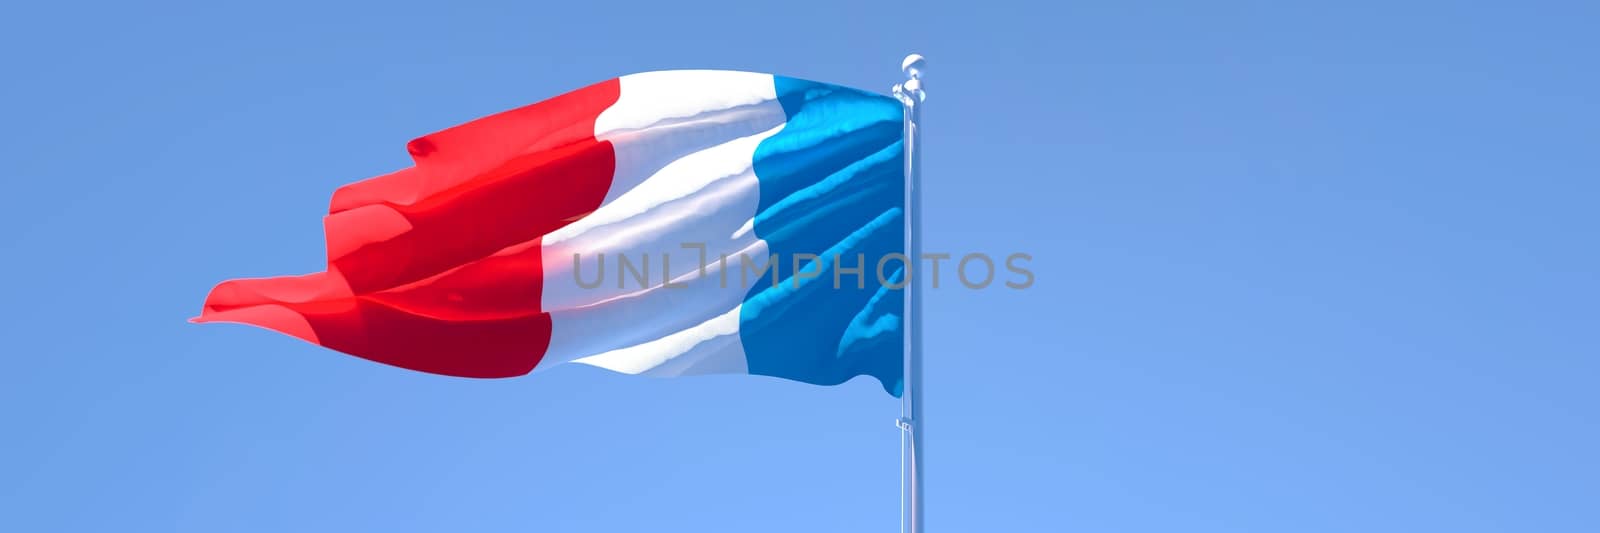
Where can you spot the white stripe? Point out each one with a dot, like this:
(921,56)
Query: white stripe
(711,347)
(639,318)
(684,176)
(660,116)
(703,198)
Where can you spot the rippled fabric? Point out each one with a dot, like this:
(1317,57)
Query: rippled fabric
(832,185)
(469,262)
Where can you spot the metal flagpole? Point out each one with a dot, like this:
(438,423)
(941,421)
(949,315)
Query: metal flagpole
(912,421)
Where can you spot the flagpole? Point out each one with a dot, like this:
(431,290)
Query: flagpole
(912,420)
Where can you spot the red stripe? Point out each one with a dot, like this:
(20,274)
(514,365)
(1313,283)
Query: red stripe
(437,267)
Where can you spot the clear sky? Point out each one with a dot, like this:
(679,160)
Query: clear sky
(1302,269)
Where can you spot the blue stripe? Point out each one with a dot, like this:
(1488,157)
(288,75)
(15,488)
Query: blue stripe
(832,185)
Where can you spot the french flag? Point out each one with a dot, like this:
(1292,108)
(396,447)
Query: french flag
(665,223)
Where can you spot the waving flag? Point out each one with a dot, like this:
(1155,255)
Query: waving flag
(664,223)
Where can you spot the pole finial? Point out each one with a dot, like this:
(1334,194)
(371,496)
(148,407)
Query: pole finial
(911,92)
(913,66)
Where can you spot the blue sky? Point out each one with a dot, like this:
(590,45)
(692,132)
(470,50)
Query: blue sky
(1316,268)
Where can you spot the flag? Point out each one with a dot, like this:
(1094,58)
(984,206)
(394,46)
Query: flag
(665,223)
